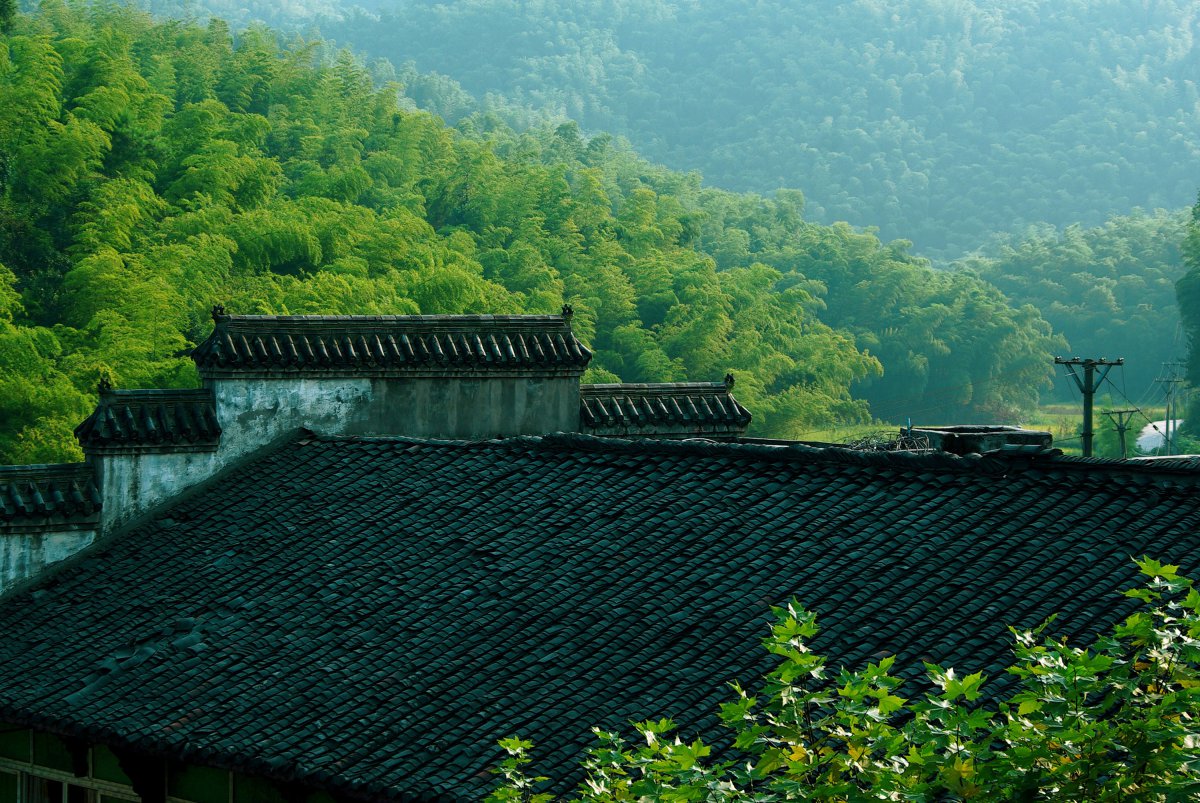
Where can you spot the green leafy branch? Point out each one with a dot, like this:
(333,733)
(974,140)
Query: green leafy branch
(1114,721)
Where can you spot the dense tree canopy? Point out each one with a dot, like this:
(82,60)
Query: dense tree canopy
(1109,290)
(1188,293)
(149,169)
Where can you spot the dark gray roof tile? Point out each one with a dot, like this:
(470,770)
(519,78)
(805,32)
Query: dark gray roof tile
(46,493)
(675,409)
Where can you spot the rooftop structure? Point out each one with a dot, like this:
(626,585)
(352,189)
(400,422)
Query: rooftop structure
(367,616)
(389,345)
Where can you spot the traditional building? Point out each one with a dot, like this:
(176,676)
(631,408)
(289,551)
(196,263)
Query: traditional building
(341,611)
(267,377)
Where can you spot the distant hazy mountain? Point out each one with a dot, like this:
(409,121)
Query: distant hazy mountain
(936,120)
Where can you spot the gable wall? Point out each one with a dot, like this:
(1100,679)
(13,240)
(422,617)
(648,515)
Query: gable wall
(133,483)
(256,412)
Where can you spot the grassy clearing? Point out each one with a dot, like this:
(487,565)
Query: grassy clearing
(1064,423)
(850,433)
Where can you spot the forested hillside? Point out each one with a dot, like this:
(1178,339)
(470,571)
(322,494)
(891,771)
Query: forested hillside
(1110,289)
(148,170)
(939,121)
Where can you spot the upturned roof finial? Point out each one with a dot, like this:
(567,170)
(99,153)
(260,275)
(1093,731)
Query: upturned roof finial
(105,384)
(567,310)
(729,380)
(218,312)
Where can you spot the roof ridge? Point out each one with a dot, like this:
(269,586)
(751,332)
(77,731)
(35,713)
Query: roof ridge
(391,345)
(654,387)
(992,464)
(582,442)
(151,418)
(414,321)
(796,452)
(155,394)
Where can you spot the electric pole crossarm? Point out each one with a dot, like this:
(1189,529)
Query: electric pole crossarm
(1072,374)
(1087,386)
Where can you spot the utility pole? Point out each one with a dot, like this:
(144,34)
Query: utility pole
(1121,422)
(1087,386)
(1170,379)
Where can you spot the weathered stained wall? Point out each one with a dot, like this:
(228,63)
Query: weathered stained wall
(256,412)
(252,414)
(472,408)
(131,484)
(24,554)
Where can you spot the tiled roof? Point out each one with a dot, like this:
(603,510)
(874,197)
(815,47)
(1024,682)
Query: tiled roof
(678,408)
(151,418)
(370,615)
(65,493)
(384,345)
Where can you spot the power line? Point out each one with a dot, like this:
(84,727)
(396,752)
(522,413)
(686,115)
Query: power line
(1170,379)
(1138,409)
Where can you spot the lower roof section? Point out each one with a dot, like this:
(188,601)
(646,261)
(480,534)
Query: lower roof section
(370,615)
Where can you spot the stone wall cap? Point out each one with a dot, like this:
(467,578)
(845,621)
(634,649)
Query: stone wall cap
(655,388)
(335,324)
(375,345)
(662,408)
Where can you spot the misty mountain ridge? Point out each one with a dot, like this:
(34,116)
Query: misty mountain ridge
(937,121)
